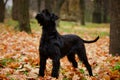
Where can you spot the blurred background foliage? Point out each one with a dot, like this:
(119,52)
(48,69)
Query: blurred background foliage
(84,13)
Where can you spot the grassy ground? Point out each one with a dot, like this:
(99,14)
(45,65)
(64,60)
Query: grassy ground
(90,28)
(69,27)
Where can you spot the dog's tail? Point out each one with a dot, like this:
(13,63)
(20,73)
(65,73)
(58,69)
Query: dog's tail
(91,40)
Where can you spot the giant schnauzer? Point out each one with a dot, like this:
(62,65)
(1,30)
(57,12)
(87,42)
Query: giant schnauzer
(55,46)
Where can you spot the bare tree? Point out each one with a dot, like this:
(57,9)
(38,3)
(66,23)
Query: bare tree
(2,10)
(115,27)
(82,11)
(58,6)
(15,9)
(48,4)
(24,20)
(105,10)
(51,5)
(45,4)
(97,13)
(39,4)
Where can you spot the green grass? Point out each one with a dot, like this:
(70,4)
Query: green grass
(82,71)
(117,66)
(34,25)
(66,79)
(14,24)
(11,23)
(66,23)
(5,61)
(95,25)
(91,29)
(88,25)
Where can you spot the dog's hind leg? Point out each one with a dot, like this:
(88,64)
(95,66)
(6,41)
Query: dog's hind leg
(71,58)
(42,66)
(82,56)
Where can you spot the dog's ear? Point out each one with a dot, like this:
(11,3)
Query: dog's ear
(54,17)
(36,17)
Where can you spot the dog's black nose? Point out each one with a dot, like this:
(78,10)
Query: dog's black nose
(45,11)
(38,16)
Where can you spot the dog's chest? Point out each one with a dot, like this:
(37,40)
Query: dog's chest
(49,47)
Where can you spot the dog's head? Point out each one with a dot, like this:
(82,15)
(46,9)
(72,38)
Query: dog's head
(46,18)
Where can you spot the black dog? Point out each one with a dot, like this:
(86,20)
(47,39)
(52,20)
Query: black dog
(55,46)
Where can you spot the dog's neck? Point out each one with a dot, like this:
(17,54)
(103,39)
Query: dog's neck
(49,31)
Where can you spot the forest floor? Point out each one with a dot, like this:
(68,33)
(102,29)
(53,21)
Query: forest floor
(19,56)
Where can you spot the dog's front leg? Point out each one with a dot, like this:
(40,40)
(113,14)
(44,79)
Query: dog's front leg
(56,66)
(42,66)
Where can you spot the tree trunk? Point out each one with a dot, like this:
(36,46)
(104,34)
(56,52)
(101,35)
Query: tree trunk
(97,13)
(15,9)
(82,11)
(39,5)
(105,10)
(115,27)
(48,4)
(57,9)
(2,10)
(24,20)
(58,6)
(67,7)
